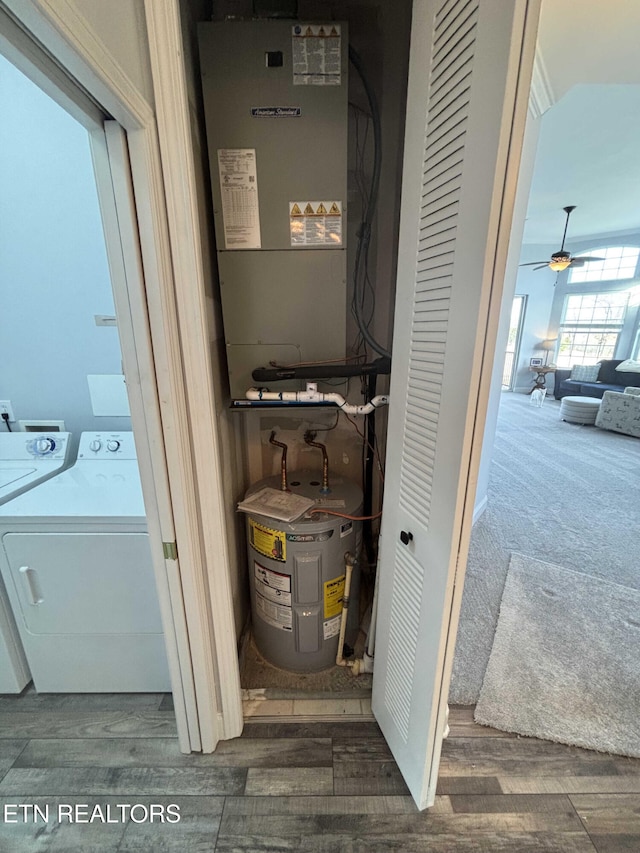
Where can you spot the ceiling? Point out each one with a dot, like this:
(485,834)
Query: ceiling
(588,150)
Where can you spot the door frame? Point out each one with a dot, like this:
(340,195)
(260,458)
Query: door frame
(162,163)
(163,21)
(170,251)
(518,340)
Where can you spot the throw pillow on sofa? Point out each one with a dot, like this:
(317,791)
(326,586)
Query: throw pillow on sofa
(629,366)
(585,372)
(608,373)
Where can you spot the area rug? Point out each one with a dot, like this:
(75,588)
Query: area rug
(565,662)
(563,493)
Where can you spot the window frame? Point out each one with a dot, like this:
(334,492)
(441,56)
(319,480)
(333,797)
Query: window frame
(607,253)
(577,327)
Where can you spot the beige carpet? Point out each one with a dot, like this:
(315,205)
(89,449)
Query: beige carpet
(565,662)
(559,492)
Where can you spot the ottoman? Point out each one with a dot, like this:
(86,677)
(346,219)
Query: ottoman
(579,410)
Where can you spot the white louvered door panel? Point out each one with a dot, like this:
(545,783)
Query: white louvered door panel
(469,75)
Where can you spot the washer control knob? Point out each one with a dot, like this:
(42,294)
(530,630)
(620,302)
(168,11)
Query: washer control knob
(113,445)
(45,445)
(95,445)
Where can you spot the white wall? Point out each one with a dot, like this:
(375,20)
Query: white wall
(121,27)
(539,288)
(511,280)
(53,263)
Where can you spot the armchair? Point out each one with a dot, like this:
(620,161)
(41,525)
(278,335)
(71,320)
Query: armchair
(620,412)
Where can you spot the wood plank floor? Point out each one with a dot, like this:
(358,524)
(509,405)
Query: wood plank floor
(306,786)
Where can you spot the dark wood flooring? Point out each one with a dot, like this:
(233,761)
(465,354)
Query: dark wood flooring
(314,787)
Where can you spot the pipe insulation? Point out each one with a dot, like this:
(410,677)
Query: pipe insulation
(312,395)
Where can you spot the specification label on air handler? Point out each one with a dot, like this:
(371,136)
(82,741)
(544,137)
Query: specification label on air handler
(239,196)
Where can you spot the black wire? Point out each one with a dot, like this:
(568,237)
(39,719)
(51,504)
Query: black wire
(359,345)
(364,232)
(5,418)
(323,428)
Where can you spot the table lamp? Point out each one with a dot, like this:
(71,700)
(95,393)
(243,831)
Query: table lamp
(548,345)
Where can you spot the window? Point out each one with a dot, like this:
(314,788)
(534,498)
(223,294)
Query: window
(513,342)
(619,262)
(590,327)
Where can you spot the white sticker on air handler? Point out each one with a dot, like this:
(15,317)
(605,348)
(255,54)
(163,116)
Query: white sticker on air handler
(274,614)
(331,627)
(315,223)
(316,54)
(239,194)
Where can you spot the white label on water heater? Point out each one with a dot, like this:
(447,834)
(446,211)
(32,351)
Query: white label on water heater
(274,614)
(331,627)
(275,594)
(276,580)
(345,529)
(239,193)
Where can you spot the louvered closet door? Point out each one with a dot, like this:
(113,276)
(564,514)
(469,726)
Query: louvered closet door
(469,75)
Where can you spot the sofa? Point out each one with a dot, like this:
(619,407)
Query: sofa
(620,412)
(607,379)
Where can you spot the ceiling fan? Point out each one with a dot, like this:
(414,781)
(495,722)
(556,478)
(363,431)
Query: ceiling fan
(561,260)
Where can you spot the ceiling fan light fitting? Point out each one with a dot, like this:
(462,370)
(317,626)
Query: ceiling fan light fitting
(559,266)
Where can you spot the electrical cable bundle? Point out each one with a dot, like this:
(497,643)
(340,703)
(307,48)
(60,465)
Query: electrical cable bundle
(361,269)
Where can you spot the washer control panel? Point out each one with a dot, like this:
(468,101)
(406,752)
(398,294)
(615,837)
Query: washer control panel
(52,445)
(106,445)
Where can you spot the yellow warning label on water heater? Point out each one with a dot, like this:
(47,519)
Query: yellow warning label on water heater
(333,595)
(271,543)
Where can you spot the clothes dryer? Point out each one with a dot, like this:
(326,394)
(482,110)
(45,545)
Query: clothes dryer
(76,562)
(26,459)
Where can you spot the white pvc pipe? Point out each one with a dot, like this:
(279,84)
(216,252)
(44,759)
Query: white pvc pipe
(371,637)
(356,665)
(312,395)
(348,570)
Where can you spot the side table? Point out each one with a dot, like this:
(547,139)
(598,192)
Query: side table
(540,380)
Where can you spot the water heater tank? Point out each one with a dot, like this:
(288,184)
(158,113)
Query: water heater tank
(297,574)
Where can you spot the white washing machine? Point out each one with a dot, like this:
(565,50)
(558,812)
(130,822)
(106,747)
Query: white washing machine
(26,459)
(76,561)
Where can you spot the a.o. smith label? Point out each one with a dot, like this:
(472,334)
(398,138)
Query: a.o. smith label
(310,537)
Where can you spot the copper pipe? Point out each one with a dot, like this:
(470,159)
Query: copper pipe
(308,437)
(283,464)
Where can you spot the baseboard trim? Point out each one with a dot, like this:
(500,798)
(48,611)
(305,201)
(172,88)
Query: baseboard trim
(479,509)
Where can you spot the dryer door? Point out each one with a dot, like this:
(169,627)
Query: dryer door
(87,611)
(84,583)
